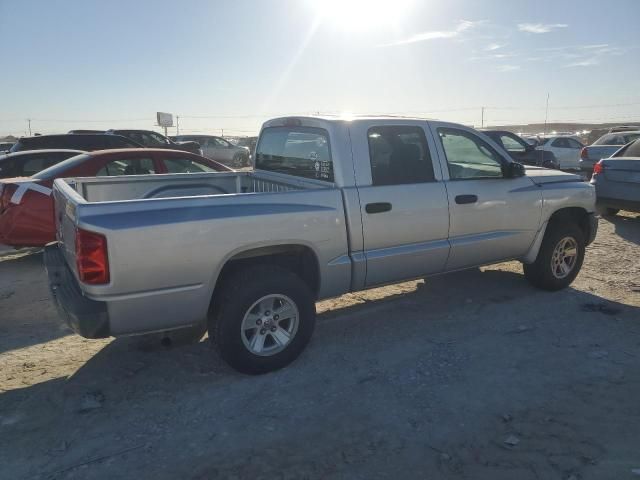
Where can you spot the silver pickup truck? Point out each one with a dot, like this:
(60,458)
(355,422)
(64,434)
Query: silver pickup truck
(333,206)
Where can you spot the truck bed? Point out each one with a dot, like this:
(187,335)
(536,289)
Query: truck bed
(168,236)
(140,187)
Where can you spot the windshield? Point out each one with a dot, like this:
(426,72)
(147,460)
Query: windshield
(58,169)
(300,151)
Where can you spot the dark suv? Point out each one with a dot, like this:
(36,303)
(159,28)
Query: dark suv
(152,139)
(86,142)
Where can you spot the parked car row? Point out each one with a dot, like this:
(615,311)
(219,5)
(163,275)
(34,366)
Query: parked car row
(212,147)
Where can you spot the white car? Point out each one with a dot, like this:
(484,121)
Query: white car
(219,149)
(566,150)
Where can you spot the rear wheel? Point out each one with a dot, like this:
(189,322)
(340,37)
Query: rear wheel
(559,259)
(262,319)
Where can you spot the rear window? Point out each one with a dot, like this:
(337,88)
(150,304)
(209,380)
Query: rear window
(613,139)
(59,168)
(300,151)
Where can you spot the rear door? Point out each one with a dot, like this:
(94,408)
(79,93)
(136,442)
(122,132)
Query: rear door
(403,201)
(492,218)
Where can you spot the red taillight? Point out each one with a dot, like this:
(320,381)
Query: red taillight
(598,168)
(584,155)
(91,257)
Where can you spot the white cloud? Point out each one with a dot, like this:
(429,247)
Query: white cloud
(540,27)
(589,62)
(508,68)
(433,35)
(493,46)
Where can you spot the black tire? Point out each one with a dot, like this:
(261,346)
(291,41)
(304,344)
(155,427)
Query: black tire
(540,273)
(240,160)
(238,293)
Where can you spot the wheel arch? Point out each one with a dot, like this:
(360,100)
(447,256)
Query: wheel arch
(299,258)
(577,215)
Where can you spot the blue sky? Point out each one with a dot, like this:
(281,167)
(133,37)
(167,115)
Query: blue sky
(96,64)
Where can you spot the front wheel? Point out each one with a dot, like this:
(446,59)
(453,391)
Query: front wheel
(559,259)
(262,319)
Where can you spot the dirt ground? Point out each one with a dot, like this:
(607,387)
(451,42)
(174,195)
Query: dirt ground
(475,375)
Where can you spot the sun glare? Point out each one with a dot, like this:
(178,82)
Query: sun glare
(362,15)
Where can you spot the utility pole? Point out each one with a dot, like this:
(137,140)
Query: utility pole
(177,125)
(546,115)
(222,132)
(29,122)
(482,118)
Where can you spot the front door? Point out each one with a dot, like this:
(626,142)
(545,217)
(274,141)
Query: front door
(492,218)
(403,201)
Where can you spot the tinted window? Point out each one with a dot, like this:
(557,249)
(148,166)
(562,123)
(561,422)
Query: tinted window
(116,141)
(468,156)
(399,155)
(299,151)
(136,166)
(185,165)
(7,168)
(631,137)
(37,163)
(560,143)
(58,169)
(611,139)
(632,150)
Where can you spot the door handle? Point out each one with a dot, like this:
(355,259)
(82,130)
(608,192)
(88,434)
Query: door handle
(464,199)
(378,207)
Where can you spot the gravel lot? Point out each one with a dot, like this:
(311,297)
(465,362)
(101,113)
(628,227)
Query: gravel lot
(474,375)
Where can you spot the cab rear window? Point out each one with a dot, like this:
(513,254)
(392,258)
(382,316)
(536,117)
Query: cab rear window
(300,151)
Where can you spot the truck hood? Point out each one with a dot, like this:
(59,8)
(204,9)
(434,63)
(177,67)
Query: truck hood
(541,175)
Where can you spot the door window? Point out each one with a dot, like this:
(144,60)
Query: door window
(399,155)
(560,143)
(221,143)
(136,166)
(468,156)
(511,144)
(574,143)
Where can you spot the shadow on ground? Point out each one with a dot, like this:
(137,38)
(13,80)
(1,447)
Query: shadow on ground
(627,226)
(27,315)
(434,379)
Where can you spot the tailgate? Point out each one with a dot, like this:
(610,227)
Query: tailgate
(66,201)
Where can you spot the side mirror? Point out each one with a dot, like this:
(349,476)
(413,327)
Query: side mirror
(514,170)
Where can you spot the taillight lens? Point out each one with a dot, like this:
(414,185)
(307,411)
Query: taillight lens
(598,168)
(583,153)
(92,260)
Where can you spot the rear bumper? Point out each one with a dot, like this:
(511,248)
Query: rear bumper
(88,318)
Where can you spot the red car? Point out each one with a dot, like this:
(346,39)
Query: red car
(26,204)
